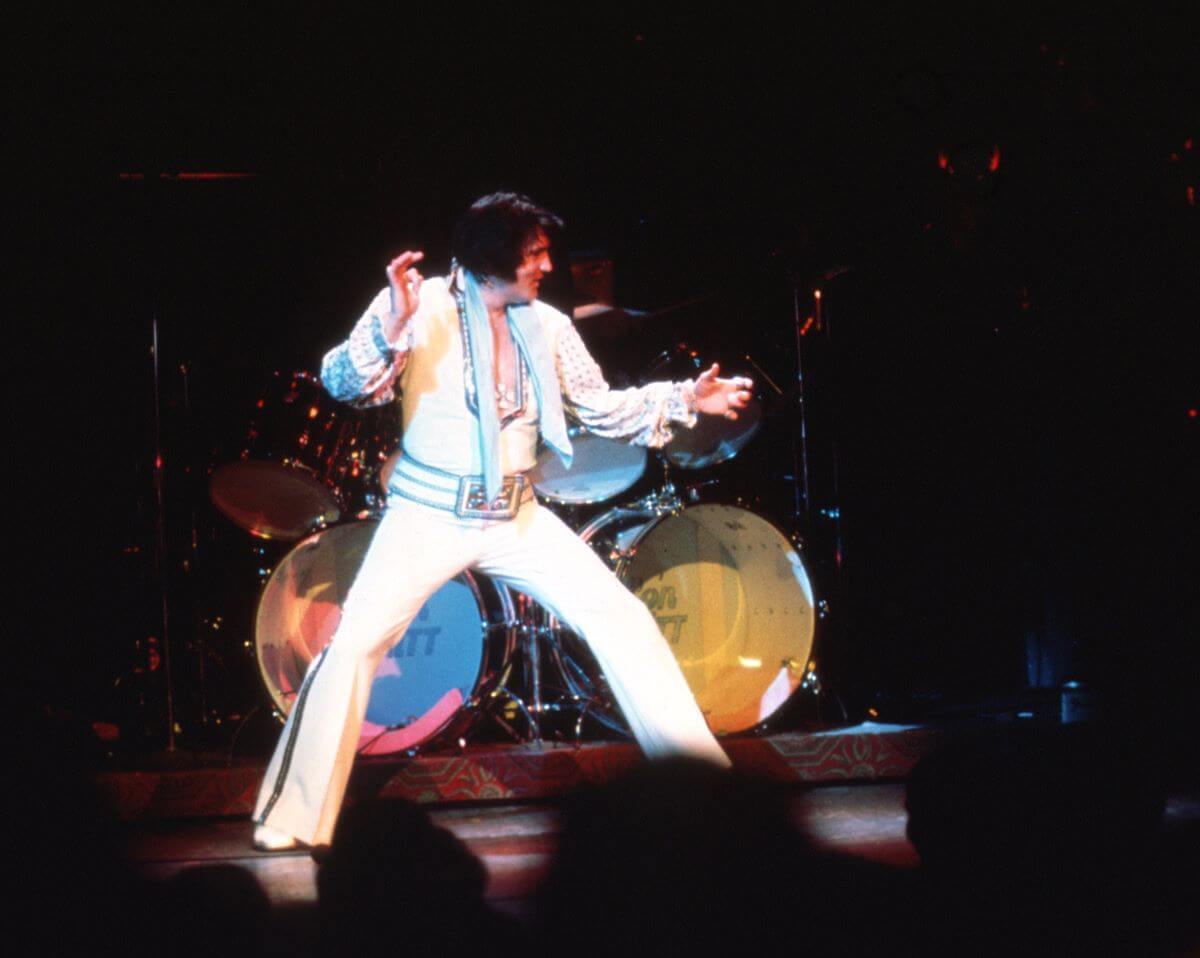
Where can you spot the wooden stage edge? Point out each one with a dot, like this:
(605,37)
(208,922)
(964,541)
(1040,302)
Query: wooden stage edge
(508,773)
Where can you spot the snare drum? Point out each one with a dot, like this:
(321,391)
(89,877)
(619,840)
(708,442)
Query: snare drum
(428,685)
(306,460)
(600,469)
(730,595)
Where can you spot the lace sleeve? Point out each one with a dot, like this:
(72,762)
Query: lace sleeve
(642,414)
(362,370)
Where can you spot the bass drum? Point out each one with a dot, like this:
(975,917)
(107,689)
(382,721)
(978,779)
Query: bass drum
(732,599)
(430,683)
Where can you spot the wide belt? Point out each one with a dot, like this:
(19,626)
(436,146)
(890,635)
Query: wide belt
(462,495)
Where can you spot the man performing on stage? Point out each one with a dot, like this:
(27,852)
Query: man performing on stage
(483,367)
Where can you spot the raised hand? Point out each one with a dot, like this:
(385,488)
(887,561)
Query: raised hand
(721,397)
(405,283)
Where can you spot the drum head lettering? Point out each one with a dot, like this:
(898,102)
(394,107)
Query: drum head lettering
(734,603)
(423,681)
(438,654)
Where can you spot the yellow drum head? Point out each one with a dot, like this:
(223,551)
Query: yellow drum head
(735,604)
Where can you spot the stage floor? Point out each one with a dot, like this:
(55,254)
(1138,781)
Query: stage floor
(844,791)
(515,841)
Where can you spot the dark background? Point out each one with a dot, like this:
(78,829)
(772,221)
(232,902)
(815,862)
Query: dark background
(994,203)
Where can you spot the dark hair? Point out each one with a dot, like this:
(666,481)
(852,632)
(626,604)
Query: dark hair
(488,237)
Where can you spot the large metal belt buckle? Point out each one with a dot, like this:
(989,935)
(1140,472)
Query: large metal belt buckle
(473,502)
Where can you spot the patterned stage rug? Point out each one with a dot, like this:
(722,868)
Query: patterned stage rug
(482,773)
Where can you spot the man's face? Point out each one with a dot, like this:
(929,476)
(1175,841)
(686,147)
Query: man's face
(535,264)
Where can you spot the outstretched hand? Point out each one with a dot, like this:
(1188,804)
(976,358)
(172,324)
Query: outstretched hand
(721,397)
(405,283)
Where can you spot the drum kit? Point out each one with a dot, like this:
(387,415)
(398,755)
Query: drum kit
(727,587)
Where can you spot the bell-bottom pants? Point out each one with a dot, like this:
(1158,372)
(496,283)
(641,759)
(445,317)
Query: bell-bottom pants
(415,550)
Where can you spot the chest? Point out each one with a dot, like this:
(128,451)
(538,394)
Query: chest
(439,369)
(507,359)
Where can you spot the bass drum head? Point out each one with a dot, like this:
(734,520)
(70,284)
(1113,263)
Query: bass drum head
(735,604)
(422,683)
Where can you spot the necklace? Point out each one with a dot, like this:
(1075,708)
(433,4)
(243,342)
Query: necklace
(509,401)
(506,398)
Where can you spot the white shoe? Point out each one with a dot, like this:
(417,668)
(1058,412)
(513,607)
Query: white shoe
(268,839)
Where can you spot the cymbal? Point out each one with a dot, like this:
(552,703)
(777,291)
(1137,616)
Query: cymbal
(607,311)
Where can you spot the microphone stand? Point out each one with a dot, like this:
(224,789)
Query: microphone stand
(801,497)
(802,516)
(154,181)
(160,551)
(825,326)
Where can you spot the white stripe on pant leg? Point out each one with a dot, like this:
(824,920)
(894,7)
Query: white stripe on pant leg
(282,760)
(413,553)
(539,555)
(320,749)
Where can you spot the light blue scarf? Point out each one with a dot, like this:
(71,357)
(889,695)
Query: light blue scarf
(526,330)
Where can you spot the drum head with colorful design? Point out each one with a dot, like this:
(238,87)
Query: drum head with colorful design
(422,681)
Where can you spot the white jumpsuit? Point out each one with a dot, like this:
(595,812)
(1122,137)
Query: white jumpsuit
(417,548)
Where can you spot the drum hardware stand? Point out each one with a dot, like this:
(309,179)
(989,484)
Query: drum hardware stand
(802,495)
(537,628)
(661,501)
(578,693)
(154,225)
(238,733)
(764,374)
(811,682)
(800,502)
(502,689)
(202,627)
(160,551)
(578,686)
(499,718)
